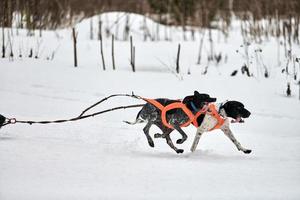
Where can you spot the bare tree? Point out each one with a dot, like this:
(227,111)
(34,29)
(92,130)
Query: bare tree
(75,34)
(132,55)
(101,45)
(177,59)
(113,51)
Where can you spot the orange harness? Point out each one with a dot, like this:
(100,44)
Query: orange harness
(213,112)
(192,118)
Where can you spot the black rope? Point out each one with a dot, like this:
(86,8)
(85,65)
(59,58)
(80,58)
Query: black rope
(5,121)
(106,98)
(79,117)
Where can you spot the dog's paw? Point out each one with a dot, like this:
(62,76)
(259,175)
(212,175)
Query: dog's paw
(247,151)
(179,151)
(151,143)
(179,141)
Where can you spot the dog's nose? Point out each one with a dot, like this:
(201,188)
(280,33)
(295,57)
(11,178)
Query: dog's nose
(246,113)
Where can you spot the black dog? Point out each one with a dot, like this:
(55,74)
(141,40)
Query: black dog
(176,117)
(229,109)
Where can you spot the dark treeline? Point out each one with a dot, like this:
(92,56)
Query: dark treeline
(54,14)
(281,16)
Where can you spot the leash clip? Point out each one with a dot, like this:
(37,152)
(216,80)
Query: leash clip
(12,121)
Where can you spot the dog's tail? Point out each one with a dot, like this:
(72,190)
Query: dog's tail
(138,120)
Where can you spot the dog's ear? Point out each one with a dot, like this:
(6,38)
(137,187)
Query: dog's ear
(196,93)
(203,97)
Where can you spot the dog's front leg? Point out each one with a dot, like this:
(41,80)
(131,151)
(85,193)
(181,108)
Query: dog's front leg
(196,139)
(230,135)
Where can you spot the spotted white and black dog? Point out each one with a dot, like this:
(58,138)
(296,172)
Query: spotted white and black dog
(152,115)
(228,109)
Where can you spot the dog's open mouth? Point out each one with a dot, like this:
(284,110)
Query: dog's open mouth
(239,119)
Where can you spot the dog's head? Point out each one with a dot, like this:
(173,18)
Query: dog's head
(201,99)
(236,110)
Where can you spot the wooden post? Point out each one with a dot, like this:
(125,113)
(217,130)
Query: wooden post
(113,51)
(133,58)
(3,33)
(132,55)
(101,45)
(288,90)
(30,53)
(11,54)
(75,46)
(177,60)
(3,42)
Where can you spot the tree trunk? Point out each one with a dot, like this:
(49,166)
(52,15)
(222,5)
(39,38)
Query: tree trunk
(177,60)
(132,55)
(101,45)
(75,46)
(113,52)
(3,41)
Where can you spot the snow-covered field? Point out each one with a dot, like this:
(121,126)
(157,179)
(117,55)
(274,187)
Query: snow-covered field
(104,158)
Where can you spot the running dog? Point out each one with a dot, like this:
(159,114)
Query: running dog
(151,114)
(227,110)
(207,121)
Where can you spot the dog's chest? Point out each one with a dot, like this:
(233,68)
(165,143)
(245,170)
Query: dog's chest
(208,123)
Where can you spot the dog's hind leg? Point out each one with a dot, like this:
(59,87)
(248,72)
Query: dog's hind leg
(165,130)
(170,143)
(166,134)
(183,134)
(146,131)
(159,135)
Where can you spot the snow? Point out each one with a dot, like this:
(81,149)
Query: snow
(104,158)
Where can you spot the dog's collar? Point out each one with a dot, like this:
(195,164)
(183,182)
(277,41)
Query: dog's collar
(220,106)
(221,110)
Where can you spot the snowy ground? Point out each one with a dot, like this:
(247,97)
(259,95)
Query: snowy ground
(103,158)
